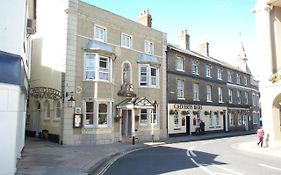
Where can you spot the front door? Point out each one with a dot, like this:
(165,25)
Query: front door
(126,123)
(187,125)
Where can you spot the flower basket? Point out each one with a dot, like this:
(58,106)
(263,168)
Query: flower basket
(184,112)
(221,112)
(117,118)
(195,112)
(216,113)
(207,113)
(172,112)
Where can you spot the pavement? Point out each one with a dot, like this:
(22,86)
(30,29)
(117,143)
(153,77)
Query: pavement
(44,158)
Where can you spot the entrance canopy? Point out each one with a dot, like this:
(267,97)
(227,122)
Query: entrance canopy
(139,103)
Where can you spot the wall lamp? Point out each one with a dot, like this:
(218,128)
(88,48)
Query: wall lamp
(71,100)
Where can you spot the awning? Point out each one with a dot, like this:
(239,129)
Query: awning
(100,47)
(145,58)
(139,103)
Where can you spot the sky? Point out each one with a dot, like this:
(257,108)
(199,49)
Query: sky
(222,23)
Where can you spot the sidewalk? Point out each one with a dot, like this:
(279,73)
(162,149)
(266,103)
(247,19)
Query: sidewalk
(44,158)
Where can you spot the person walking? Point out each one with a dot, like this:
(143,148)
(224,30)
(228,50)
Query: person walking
(260,134)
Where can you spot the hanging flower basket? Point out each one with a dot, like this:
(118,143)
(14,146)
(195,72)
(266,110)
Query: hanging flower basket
(184,112)
(216,113)
(195,112)
(172,112)
(221,112)
(137,117)
(207,113)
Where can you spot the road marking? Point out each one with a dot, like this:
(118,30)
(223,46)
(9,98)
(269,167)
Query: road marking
(226,169)
(271,167)
(202,167)
(189,152)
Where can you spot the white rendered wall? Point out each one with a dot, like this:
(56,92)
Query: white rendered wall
(9,95)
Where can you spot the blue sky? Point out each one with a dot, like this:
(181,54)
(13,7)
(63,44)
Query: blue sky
(219,22)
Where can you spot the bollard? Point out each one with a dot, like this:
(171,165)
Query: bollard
(133,140)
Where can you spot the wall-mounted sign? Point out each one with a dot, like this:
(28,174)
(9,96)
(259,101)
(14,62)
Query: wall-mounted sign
(77,120)
(183,106)
(77,110)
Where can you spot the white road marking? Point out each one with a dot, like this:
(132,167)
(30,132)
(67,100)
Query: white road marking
(202,167)
(226,169)
(192,153)
(187,153)
(271,167)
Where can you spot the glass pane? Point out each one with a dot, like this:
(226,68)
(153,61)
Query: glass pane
(89,119)
(89,107)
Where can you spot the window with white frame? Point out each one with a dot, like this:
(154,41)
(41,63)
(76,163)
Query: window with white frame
(97,67)
(220,95)
(238,77)
(46,109)
(230,95)
(246,98)
(143,116)
(126,40)
(245,80)
(238,97)
(97,113)
(195,91)
(154,76)
(148,47)
(180,87)
(89,113)
(179,64)
(103,111)
(195,67)
(149,76)
(229,76)
(209,93)
(219,73)
(208,70)
(99,33)
(176,119)
(217,119)
(57,111)
(104,68)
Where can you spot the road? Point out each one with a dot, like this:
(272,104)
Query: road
(207,157)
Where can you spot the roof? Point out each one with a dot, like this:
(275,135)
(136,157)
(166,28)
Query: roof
(131,103)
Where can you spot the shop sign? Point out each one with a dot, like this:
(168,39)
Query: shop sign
(191,107)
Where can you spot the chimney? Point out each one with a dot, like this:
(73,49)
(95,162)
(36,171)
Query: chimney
(145,18)
(184,39)
(204,49)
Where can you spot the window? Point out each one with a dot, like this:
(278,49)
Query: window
(245,80)
(97,113)
(149,76)
(230,95)
(100,33)
(97,67)
(89,113)
(196,92)
(176,119)
(143,117)
(238,97)
(209,93)
(238,77)
(180,84)
(46,110)
(154,76)
(104,68)
(217,119)
(57,111)
(126,41)
(179,64)
(195,67)
(246,98)
(148,47)
(229,76)
(219,74)
(143,76)
(220,95)
(103,114)
(231,119)
(208,71)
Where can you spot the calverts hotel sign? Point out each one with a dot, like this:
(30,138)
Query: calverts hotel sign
(191,107)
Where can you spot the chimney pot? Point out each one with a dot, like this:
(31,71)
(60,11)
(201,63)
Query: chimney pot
(145,18)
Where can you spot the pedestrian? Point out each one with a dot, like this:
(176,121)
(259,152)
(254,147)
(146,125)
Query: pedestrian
(260,134)
(202,127)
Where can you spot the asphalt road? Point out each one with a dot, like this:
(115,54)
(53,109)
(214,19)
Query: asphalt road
(208,157)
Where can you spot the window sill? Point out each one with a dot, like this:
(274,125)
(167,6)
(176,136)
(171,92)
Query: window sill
(181,98)
(56,119)
(177,128)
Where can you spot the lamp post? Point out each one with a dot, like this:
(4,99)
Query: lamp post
(71,100)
